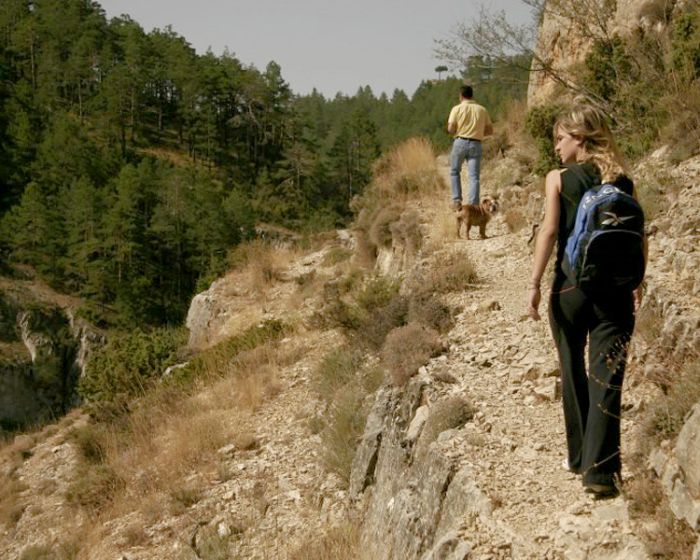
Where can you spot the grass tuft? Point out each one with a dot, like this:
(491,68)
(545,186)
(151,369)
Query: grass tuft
(407,348)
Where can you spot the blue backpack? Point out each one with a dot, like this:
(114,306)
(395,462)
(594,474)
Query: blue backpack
(604,252)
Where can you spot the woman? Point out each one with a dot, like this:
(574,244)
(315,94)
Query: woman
(591,401)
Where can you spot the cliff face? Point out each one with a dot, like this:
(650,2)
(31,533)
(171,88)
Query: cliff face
(569,29)
(43,355)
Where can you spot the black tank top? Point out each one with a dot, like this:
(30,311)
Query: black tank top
(575,181)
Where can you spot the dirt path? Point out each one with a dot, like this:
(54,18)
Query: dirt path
(507,364)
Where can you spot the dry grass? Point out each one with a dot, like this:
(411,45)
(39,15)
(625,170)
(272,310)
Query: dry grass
(262,264)
(666,536)
(67,551)
(408,348)
(407,232)
(336,255)
(667,415)
(428,310)
(410,169)
(442,228)
(447,272)
(380,230)
(446,414)
(144,461)
(515,220)
(335,543)
(336,370)
(402,177)
(12,505)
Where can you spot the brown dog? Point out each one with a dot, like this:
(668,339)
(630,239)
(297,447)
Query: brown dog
(476,215)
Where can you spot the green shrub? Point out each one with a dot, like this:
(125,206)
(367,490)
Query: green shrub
(337,369)
(216,359)
(685,45)
(380,321)
(378,291)
(539,123)
(129,363)
(346,421)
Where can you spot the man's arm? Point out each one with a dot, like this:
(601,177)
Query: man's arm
(451,127)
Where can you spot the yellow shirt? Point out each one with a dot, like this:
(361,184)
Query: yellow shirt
(472,120)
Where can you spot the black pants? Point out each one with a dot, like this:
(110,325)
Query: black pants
(592,402)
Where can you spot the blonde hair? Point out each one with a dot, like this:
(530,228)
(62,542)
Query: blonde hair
(590,124)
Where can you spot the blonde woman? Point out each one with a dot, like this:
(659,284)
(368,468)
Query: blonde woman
(591,399)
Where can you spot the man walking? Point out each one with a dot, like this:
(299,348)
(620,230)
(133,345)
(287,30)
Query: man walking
(469,123)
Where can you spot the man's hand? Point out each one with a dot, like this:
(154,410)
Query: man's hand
(451,127)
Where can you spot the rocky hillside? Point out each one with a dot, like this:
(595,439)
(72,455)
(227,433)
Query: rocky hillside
(462,461)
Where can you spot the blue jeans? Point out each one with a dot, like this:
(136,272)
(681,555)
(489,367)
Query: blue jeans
(471,151)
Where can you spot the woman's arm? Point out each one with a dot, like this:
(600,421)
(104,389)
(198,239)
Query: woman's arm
(546,238)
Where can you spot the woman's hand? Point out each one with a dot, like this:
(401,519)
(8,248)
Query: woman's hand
(533,302)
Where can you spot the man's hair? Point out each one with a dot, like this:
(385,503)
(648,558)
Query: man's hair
(467,92)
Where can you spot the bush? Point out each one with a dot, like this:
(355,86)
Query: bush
(380,321)
(336,255)
(408,348)
(337,369)
(129,363)
(428,310)
(380,227)
(89,440)
(216,360)
(346,421)
(449,272)
(11,505)
(94,486)
(539,123)
(407,231)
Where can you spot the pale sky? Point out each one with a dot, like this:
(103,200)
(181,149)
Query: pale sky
(331,45)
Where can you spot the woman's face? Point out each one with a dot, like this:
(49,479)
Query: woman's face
(567,146)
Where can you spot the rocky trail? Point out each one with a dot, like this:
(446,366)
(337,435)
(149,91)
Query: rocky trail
(506,364)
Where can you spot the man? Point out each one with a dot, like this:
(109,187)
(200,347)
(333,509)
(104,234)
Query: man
(469,123)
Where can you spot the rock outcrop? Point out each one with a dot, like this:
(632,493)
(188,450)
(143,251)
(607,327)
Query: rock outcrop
(44,350)
(568,30)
